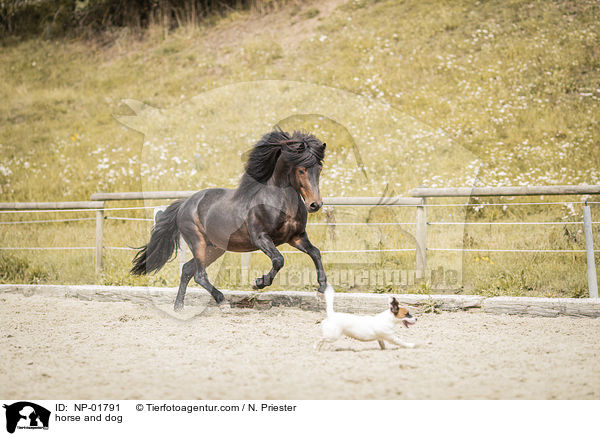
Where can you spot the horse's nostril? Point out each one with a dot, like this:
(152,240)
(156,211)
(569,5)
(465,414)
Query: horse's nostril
(315,206)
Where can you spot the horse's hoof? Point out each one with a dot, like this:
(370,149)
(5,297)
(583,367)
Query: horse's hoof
(219,298)
(224,307)
(254,286)
(178,307)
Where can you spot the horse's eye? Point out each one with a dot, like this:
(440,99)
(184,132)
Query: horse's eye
(301,171)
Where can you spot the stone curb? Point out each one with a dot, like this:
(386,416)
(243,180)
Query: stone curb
(552,307)
(344,302)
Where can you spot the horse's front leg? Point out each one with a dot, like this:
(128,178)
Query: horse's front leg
(264,243)
(302,243)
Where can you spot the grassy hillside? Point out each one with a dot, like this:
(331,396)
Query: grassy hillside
(512,84)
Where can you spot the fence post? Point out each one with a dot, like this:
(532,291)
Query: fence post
(99,240)
(589,249)
(421,240)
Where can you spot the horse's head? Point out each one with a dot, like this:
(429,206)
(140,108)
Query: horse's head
(304,154)
(306,182)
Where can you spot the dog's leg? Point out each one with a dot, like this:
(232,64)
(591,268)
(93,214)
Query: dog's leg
(381,343)
(322,341)
(397,341)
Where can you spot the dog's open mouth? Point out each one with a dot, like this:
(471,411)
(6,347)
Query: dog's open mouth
(407,323)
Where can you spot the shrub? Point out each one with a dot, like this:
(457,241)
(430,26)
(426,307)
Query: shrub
(15,269)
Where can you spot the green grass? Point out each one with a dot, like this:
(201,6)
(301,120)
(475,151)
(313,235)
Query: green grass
(421,89)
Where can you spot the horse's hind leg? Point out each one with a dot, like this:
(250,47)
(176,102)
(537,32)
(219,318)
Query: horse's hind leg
(187,272)
(204,255)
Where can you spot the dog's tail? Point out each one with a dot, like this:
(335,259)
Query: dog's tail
(163,242)
(329,299)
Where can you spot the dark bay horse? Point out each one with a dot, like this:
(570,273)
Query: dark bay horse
(269,207)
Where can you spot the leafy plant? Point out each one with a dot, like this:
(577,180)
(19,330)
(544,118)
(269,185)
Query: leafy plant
(14,269)
(431,306)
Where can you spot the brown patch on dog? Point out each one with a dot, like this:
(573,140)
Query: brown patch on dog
(397,310)
(402,313)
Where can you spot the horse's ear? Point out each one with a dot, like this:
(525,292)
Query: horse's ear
(324,145)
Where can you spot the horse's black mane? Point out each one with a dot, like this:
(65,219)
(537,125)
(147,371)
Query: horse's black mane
(299,149)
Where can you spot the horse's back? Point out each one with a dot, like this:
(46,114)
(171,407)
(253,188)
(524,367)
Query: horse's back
(224,219)
(196,206)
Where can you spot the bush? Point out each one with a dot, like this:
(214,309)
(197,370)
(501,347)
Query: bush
(54,18)
(15,269)
(33,18)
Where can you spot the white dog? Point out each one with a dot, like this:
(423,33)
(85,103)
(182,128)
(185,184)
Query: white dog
(378,327)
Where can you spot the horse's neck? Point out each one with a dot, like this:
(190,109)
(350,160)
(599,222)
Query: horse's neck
(250,188)
(280,177)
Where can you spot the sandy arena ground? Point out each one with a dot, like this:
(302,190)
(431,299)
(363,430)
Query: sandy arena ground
(67,348)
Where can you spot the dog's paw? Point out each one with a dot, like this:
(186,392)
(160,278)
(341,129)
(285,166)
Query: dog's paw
(409,345)
(319,345)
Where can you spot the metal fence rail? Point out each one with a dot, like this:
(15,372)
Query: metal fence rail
(64,206)
(418,199)
(506,191)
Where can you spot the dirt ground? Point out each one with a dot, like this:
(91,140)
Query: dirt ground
(67,348)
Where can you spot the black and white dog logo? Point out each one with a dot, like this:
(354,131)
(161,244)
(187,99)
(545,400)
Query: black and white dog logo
(26,415)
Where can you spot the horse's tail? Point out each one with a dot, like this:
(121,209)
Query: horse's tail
(163,242)
(329,299)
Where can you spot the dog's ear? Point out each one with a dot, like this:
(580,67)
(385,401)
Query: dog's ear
(394,306)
